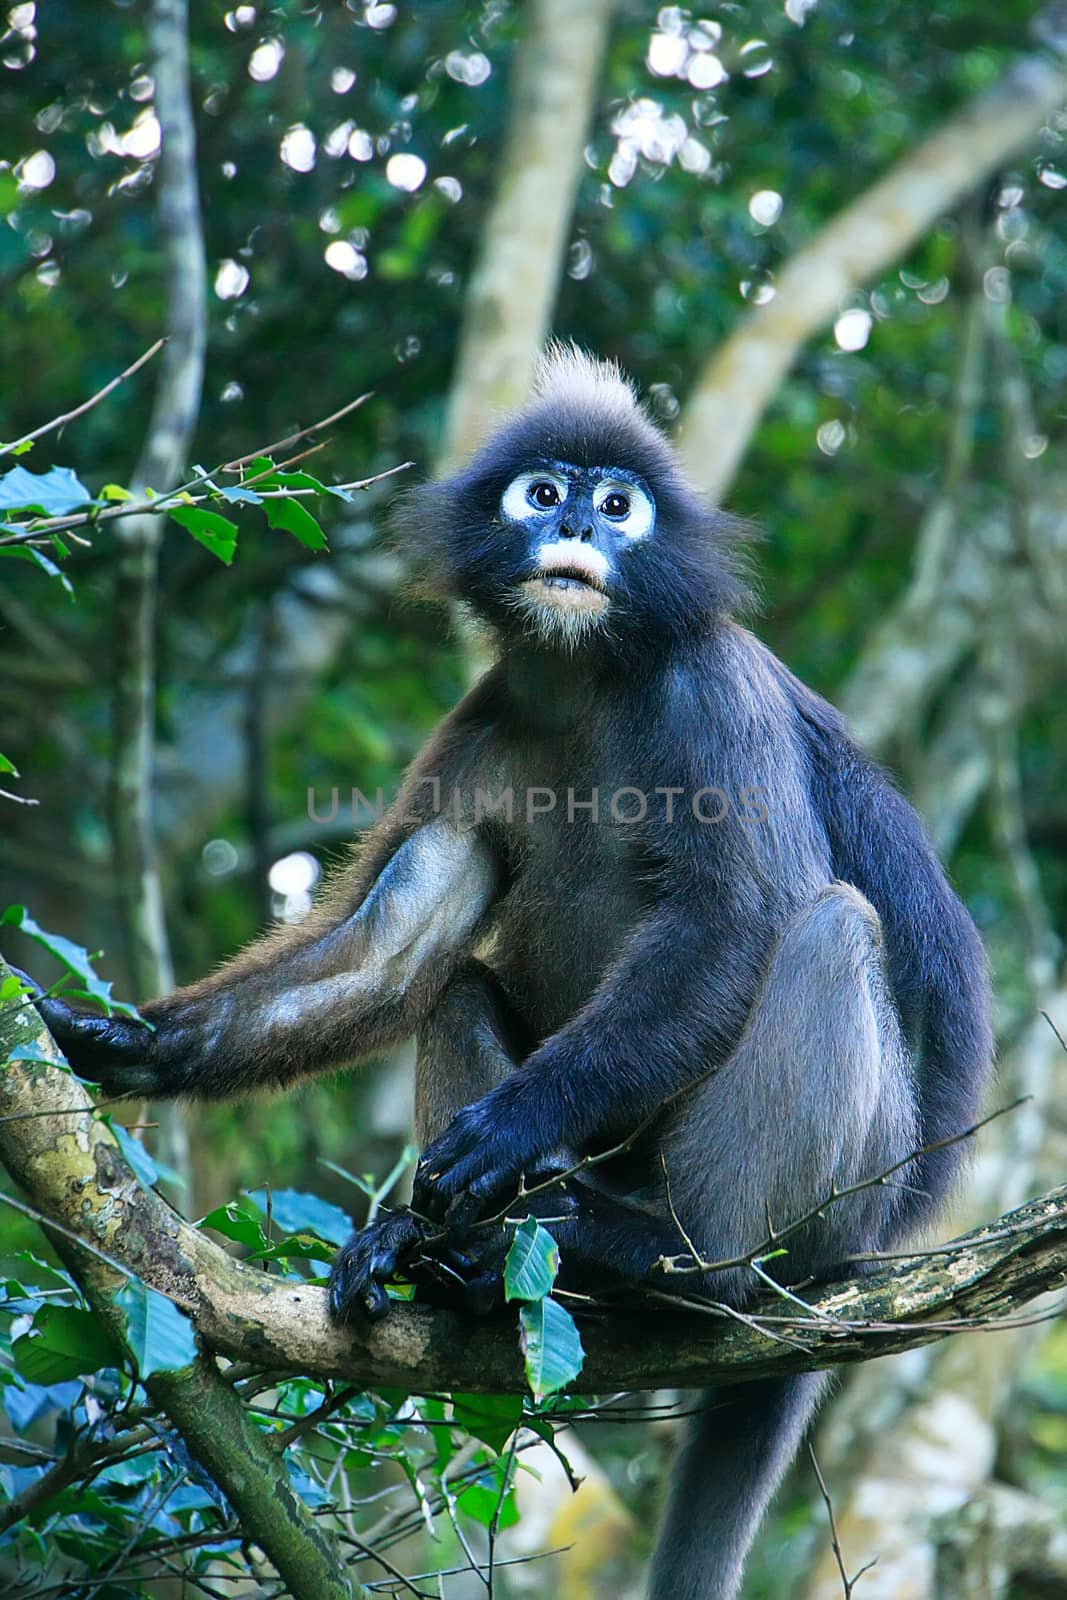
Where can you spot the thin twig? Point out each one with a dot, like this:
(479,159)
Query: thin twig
(86,405)
(673,1265)
(294,438)
(848,1584)
(46,528)
(1055,1030)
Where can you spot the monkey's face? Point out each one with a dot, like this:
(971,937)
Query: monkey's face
(574,527)
(570,529)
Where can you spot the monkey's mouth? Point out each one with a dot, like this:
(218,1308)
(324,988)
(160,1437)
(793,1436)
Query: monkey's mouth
(566,589)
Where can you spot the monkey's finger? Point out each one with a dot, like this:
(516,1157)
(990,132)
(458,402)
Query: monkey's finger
(383,1265)
(348,1285)
(464,1210)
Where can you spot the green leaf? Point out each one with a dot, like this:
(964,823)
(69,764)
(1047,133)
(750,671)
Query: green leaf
(532,1262)
(48,494)
(236,1221)
(296,1246)
(215,533)
(297,520)
(294,1212)
(551,1348)
(239,494)
(114,492)
(160,1336)
(8,766)
(492,1418)
(38,558)
(486,1505)
(64,1342)
(293,480)
(70,955)
(35,1055)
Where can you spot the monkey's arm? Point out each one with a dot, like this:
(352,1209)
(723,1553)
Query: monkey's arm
(356,977)
(359,973)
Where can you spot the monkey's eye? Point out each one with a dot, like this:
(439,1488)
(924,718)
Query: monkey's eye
(625,504)
(533,495)
(615,505)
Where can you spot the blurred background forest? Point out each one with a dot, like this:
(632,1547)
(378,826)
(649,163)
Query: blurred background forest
(829,242)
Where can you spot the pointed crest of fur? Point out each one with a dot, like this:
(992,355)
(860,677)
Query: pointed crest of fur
(566,375)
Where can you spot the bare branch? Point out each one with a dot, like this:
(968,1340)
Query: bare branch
(302,433)
(776,1236)
(86,405)
(848,1585)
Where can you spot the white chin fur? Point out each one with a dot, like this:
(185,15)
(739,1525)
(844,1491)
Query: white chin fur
(576,597)
(564,616)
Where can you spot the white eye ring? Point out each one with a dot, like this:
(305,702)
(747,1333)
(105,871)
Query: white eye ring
(639,520)
(516,503)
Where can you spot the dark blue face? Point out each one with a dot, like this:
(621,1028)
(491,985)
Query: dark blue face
(577,524)
(574,524)
(606,508)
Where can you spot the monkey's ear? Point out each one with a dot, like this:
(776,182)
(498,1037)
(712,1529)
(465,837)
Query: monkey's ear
(420,524)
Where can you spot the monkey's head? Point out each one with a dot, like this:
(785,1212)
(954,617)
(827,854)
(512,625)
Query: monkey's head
(574,524)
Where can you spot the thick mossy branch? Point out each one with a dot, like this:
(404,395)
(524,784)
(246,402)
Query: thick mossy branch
(71,1170)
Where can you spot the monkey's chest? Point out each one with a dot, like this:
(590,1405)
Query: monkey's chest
(575,892)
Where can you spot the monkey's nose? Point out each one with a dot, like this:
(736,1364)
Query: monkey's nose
(569,531)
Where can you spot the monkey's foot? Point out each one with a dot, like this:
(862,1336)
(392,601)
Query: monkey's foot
(462,1271)
(371,1259)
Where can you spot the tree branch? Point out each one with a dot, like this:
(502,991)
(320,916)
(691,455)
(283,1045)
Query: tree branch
(743,376)
(72,1170)
(61,421)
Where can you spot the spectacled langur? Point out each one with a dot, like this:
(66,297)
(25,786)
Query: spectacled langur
(571,961)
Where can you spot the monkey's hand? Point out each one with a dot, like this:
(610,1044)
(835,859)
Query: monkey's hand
(458,1267)
(120,1053)
(485,1153)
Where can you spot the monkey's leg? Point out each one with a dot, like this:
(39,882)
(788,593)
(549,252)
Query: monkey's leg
(818,1092)
(469,1042)
(358,975)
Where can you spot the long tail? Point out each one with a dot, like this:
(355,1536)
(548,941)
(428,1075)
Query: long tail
(738,1447)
